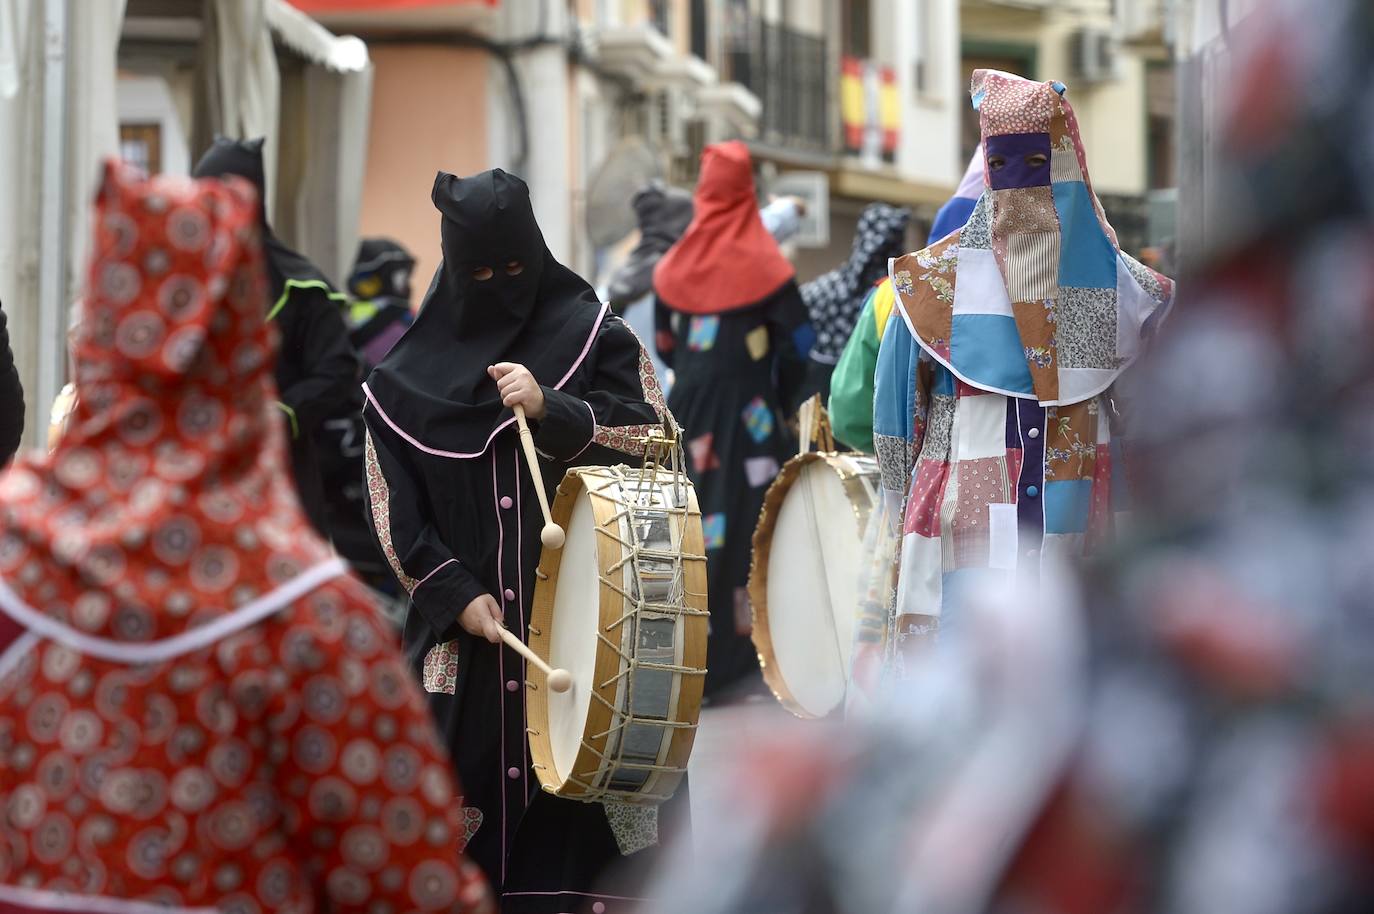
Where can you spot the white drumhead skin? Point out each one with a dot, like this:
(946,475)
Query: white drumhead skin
(572,641)
(813,585)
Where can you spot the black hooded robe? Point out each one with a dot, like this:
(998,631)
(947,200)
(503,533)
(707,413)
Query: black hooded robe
(317,370)
(455,512)
(736,374)
(11,398)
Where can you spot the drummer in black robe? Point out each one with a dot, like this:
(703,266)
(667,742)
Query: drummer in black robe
(455,512)
(317,370)
(732,326)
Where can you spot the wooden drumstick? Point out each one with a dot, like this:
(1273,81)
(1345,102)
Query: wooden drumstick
(552,534)
(559,680)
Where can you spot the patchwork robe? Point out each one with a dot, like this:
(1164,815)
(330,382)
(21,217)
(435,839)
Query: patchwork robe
(737,374)
(995,426)
(455,526)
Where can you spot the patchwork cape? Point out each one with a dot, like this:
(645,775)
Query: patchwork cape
(994,424)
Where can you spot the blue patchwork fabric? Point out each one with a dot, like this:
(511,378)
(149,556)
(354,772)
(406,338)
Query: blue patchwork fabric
(942,384)
(898,354)
(1067,502)
(713,530)
(1087,259)
(701,333)
(758,420)
(986,349)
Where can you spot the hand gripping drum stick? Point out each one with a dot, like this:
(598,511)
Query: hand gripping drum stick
(559,680)
(552,535)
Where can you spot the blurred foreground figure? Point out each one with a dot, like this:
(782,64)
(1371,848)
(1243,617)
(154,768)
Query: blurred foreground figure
(199,709)
(1222,717)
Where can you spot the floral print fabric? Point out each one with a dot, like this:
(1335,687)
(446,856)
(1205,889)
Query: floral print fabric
(197,709)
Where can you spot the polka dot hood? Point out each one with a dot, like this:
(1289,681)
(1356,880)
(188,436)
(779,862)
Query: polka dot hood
(169,494)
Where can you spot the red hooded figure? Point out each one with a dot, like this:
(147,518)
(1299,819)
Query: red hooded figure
(199,709)
(731,324)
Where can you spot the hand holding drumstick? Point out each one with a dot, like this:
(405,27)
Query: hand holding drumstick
(483,618)
(522,393)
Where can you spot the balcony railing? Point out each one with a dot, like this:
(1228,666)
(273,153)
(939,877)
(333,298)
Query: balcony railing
(788,71)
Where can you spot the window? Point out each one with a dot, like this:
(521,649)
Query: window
(699,26)
(1160,97)
(738,43)
(140,145)
(856,29)
(660,15)
(924,77)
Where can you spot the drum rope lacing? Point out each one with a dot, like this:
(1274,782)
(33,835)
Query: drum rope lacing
(643,488)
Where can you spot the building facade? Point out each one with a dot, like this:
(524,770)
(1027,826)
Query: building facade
(842,101)
(1115,56)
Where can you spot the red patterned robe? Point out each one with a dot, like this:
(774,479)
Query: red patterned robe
(199,709)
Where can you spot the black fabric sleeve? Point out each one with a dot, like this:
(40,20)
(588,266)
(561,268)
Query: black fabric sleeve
(584,430)
(11,398)
(326,369)
(787,315)
(439,585)
(664,340)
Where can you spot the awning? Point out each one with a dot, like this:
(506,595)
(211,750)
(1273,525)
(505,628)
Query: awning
(314,42)
(368,6)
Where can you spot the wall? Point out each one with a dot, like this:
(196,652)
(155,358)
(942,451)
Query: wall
(544,78)
(1111,114)
(929,148)
(428,115)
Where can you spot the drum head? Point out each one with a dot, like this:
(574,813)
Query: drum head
(572,645)
(621,607)
(814,570)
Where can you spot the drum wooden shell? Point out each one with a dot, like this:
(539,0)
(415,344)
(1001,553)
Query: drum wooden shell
(651,603)
(791,679)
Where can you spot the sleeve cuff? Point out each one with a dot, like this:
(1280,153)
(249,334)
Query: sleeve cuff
(567,427)
(441,597)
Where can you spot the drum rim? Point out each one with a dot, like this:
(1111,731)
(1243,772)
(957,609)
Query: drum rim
(760,633)
(691,688)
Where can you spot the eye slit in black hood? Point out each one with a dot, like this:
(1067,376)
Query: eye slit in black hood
(434,382)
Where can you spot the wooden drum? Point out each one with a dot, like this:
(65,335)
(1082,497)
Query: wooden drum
(622,607)
(804,581)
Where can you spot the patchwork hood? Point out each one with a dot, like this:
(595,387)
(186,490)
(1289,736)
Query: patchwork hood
(1033,297)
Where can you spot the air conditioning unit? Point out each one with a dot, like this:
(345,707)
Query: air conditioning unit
(1094,55)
